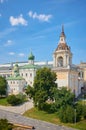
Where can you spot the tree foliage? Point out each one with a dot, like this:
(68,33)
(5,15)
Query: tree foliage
(84,111)
(44,85)
(63,97)
(61,100)
(66,114)
(3,86)
(29,91)
(5,125)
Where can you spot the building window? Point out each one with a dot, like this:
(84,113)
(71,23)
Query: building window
(30,74)
(79,75)
(82,75)
(60,61)
(26,74)
(22,74)
(61,39)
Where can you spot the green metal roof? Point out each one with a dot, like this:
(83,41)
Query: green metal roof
(29,66)
(31,56)
(15,78)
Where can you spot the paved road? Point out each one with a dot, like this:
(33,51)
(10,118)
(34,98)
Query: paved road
(18,109)
(39,125)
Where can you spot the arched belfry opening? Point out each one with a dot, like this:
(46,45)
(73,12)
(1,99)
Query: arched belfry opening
(60,61)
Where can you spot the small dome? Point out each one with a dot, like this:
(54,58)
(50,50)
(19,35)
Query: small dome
(16,68)
(31,56)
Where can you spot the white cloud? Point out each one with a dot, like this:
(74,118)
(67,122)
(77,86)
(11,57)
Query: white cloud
(21,54)
(11,53)
(40,17)
(8,43)
(18,20)
(0,15)
(1,1)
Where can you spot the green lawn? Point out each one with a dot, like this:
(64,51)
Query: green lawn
(3,101)
(41,115)
(80,125)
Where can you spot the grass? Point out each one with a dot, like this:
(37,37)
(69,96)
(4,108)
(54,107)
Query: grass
(80,125)
(41,115)
(53,118)
(82,102)
(3,101)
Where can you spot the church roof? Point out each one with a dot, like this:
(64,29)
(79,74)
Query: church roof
(31,56)
(62,33)
(62,43)
(29,66)
(62,46)
(15,78)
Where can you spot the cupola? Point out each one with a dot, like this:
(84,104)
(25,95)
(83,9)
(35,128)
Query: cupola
(16,70)
(31,58)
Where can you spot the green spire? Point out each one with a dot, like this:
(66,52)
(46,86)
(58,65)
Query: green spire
(31,56)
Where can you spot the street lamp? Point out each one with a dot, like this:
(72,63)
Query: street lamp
(75,116)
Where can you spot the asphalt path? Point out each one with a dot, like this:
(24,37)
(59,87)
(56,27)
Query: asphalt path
(20,109)
(39,125)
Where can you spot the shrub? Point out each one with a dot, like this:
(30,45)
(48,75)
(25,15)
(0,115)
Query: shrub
(14,100)
(4,125)
(66,114)
(79,111)
(84,111)
(70,114)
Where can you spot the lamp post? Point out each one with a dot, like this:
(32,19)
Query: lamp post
(75,116)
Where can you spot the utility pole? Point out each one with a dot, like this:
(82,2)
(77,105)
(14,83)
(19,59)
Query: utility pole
(75,116)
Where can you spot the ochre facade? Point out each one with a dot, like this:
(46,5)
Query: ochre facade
(68,75)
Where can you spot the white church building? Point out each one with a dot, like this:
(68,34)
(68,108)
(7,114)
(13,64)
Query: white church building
(21,74)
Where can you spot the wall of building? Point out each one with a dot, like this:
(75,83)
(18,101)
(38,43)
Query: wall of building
(28,75)
(74,84)
(15,86)
(62,79)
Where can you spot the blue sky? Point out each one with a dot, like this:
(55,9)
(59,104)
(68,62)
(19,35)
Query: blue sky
(35,25)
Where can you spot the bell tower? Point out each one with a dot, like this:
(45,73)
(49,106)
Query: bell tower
(62,56)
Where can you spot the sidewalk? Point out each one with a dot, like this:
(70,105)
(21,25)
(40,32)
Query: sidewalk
(18,109)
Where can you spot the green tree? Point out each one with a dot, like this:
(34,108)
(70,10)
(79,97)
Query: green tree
(63,97)
(29,91)
(3,86)
(44,85)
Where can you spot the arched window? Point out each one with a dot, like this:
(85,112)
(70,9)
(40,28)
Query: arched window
(60,61)
(79,75)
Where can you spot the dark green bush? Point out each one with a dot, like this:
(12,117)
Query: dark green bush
(67,114)
(5,125)
(84,111)
(79,111)
(14,100)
